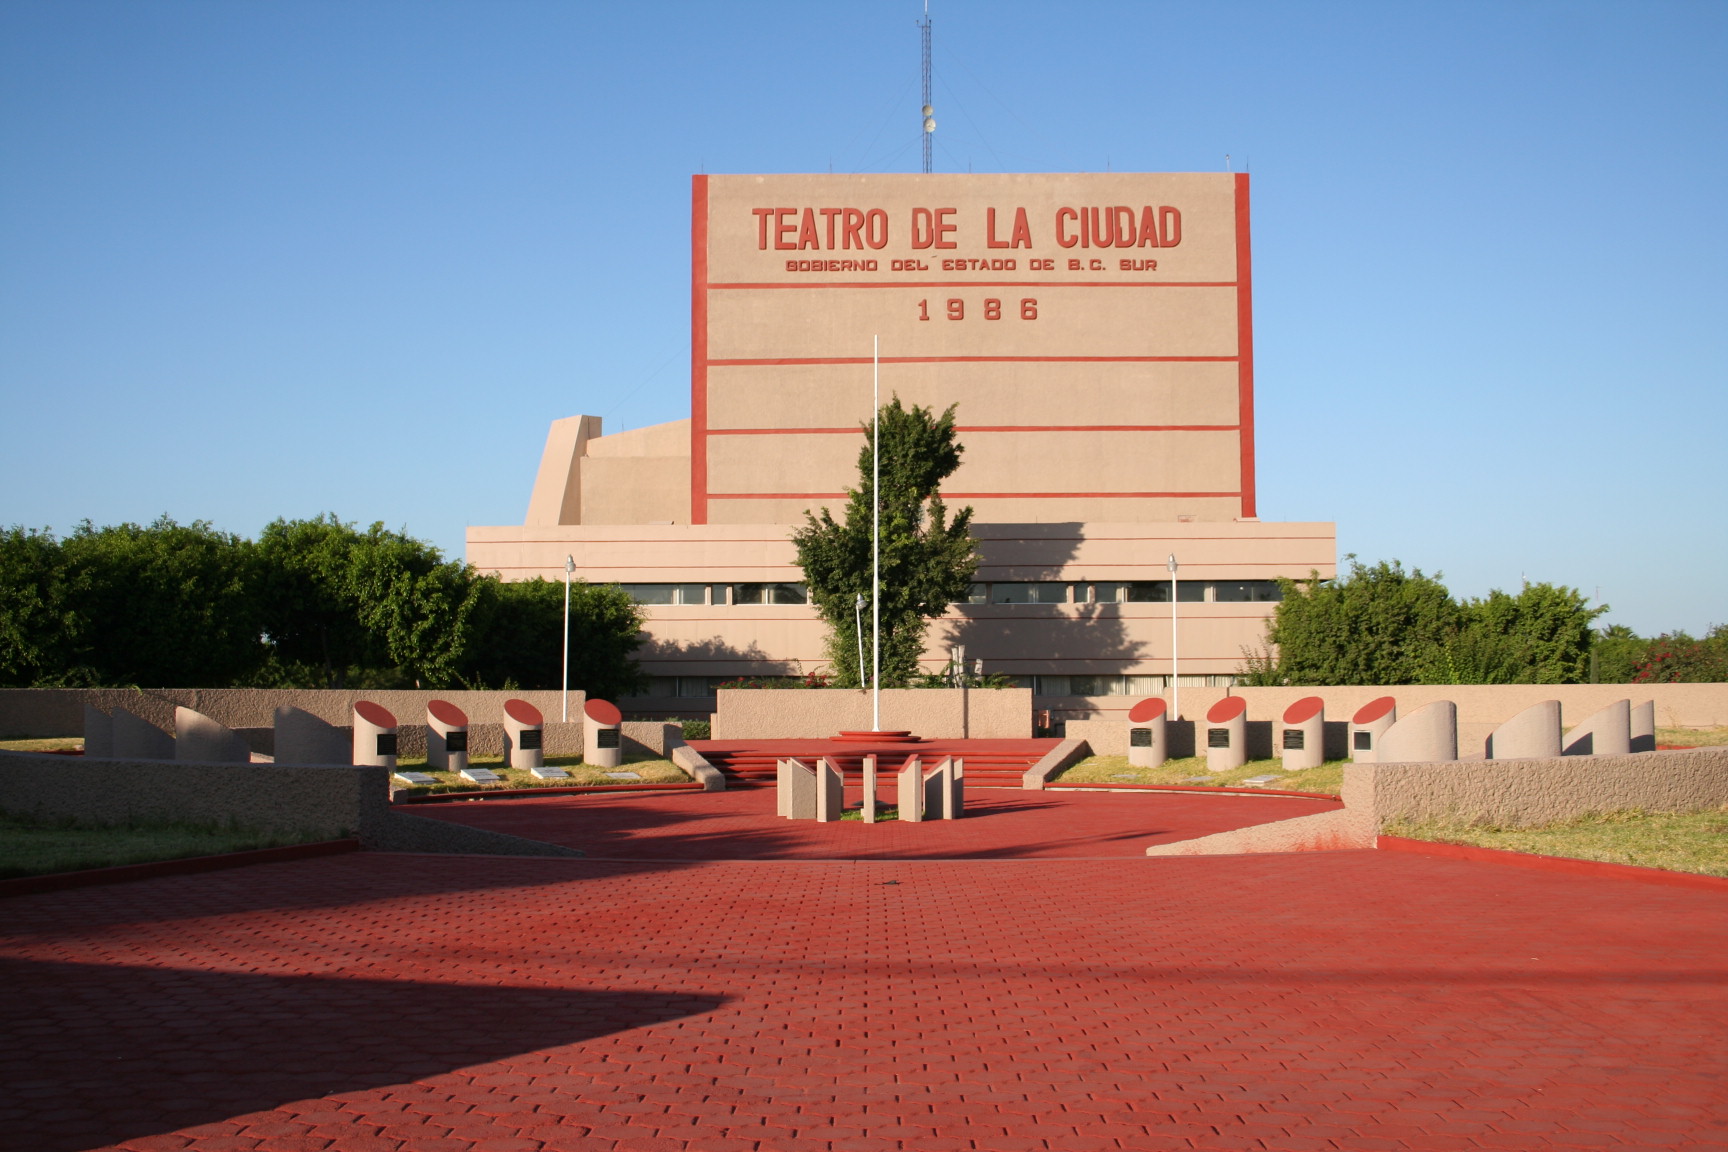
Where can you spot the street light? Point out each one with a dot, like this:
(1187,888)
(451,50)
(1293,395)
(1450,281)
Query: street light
(569,571)
(1175,681)
(858,632)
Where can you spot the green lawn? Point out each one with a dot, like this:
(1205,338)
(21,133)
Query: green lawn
(1328,778)
(1692,737)
(652,771)
(1679,841)
(30,847)
(51,744)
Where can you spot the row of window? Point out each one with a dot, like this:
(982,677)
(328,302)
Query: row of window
(699,686)
(1000,592)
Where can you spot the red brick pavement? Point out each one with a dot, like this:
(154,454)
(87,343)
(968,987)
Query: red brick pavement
(1351,1001)
(1000,823)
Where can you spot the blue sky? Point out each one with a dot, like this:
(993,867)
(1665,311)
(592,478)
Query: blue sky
(275,259)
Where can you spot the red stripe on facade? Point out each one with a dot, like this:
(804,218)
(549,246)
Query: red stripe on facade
(1245,343)
(991,428)
(984,495)
(778,360)
(990,284)
(699,349)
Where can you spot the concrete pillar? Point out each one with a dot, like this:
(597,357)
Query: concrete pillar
(524,735)
(943,796)
(1368,726)
(135,738)
(956,789)
(830,791)
(869,811)
(446,737)
(602,733)
(98,733)
(1607,732)
(795,790)
(1643,728)
(1533,732)
(1303,741)
(1227,734)
(910,788)
(374,734)
(302,738)
(1148,742)
(1426,735)
(201,740)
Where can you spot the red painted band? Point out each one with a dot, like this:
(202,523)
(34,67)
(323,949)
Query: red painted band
(1597,868)
(1148,709)
(699,350)
(1303,710)
(779,360)
(989,428)
(983,495)
(988,284)
(1226,709)
(1245,343)
(1374,709)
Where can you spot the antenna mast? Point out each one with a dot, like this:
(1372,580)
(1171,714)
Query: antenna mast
(929,109)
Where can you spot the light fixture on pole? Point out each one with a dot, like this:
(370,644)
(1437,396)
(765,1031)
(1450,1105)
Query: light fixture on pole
(875,533)
(569,571)
(1175,681)
(858,633)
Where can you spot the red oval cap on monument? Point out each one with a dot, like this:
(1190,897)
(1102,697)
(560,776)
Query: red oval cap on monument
(1227,709)
(1373,710)
(447,713)
(523,712)
(1148,709)
(1303,709)
(375,714)
(603,712)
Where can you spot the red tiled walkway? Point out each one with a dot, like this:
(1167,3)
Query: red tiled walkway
(1354,1001)
(999,824)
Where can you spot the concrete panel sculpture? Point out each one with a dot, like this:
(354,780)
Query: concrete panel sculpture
(1426,735)
(602,732)
(1227,734)
(1368,726)
(1303,740)
(830,791)
(1533,732)
(1643,727)
(869,808)
(1148,740)
(524,735)
(98,733)
(446,737)
(135,738)
(201,740)
(794,790)
(302,738)
(943,791)
(374,734)
(1606,732)
(909,789)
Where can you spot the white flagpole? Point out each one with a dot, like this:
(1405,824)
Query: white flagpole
(876,533)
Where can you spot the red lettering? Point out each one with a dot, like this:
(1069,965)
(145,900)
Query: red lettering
(1022,237)
(990,240)
(762,215)
(1149,228)
(923,232)
(942,227)
(828,214)
(1169,226)
(849,226)
(807,237)
(1101,236)
(1062,236)
(782,230)
(876,228)
(1124,226)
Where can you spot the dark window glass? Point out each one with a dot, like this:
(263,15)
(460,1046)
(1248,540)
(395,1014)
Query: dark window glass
(1029,593)
(1217,737)
(606,738)
(1139,737)
(1246,591)
(652,593)
(1294,738)
(1363,741)
(978,594)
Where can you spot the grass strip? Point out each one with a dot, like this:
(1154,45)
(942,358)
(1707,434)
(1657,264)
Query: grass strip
(1677,841)
(650,771)
(1328,777)
(38,847)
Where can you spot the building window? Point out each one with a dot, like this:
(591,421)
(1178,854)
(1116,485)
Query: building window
(1251,591)
(978,594)
(769,594)
(1158,592)
(667,593)
(1044,593)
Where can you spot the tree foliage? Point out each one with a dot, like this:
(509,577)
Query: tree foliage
(928,561)
(517,630)
(1382,625)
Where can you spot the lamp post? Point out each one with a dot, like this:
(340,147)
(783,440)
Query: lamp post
(1175,680)
(858,633)
(569,571)
(875,533)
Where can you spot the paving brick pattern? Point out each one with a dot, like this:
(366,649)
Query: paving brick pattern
(1350,1001)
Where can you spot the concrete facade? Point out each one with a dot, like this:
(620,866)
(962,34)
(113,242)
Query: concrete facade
(815,713)
(1095,333)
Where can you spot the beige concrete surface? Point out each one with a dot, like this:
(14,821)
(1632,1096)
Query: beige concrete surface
(795,790)
(525,737)
(830,791)
(1312,735)
(201,740)
(136,738)
(909,791)
(557,494)
(373,737)
(815,713)
(98,732)
(302,738)
(1234,754)
(439,755)
(1156,750)
(693,762)
(1065,755)
(868,788)
(1534,732)
(1429,733)
(1642,727)
(1606,732)
(596,755)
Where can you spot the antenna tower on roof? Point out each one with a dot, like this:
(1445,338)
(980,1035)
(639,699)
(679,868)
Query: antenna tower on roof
(929,113)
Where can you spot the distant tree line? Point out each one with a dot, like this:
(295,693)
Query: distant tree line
(309,604)
(1379,624)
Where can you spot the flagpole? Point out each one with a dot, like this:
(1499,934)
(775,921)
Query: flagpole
(876,533)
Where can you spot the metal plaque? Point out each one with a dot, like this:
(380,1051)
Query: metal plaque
(1363,741)
(606,738)
(386,743)
(1139,737)
(456,741)
(528,738)
(1217,737)
(1293,738)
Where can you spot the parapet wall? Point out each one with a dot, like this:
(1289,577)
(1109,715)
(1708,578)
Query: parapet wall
(814,713)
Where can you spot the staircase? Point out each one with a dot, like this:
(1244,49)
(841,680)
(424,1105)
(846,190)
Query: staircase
(989,763)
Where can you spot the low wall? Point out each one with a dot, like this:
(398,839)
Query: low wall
(1481,707)
(815,713)
(47,712)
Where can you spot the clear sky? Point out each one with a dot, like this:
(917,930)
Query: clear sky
(272,259)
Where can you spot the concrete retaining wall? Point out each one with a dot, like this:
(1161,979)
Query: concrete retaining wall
(815,713)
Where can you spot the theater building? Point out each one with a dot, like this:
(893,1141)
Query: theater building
(1096,334)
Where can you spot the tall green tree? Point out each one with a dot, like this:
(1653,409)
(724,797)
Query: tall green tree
(39,628)
(1542,635)
(518,629)
(928,561)
(1377,625)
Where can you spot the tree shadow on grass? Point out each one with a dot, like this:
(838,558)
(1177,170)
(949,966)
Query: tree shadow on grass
(93,1055)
